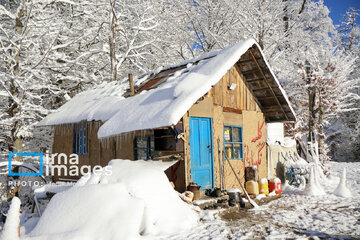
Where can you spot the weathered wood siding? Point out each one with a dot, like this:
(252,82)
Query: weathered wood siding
(100,152)
(240,98)
(63,143)
(231,107)
(226,107)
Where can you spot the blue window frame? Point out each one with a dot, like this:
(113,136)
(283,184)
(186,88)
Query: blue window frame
(80,138)
(233,142)
(144,147)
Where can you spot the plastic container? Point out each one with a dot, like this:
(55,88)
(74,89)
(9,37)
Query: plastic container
(275,184)
(264,186)
(252,187)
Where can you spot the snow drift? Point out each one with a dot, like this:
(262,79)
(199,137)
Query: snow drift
(342,190)
(10,231)
(314,188)
(135,200)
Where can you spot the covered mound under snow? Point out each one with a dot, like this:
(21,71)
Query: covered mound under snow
(342,190)
(10,231)
(313,187)
(135,200)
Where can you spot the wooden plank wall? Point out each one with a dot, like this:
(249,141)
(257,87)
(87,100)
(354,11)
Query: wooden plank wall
(240,98)
(245,112)
(254,147)
(212,105)
(63,143)
(100,152)
(187,163)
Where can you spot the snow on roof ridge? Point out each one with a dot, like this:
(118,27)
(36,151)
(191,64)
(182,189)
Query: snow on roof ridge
(166,104)
(67,113)
(92,104)
(105,102)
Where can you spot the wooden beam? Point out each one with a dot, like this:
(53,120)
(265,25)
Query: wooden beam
(265,98)
(252,92)
(233,110)
(255,80)
(250,71)
(260,89)
(248,60)
(131,82)
(149,84)
(267,83)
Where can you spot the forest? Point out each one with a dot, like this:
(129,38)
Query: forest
(50,50)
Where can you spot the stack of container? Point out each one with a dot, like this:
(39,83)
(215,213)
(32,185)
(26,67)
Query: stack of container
(251,180)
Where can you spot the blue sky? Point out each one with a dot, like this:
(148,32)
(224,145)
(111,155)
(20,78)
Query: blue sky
(339,7)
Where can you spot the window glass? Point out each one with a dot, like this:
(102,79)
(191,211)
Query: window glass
(141,142)
(235,135)
(142,154)
(236,149)
(144,148)
(80,138)
(227,134)
(233,142)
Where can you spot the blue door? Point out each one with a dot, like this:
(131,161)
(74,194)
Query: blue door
(202,167)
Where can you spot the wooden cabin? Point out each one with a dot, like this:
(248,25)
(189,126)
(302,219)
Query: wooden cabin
(199,112)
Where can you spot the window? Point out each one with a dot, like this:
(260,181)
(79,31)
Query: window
(80,138)
(144,148)
(233,142)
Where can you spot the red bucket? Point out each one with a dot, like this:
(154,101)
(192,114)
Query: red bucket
(275,184)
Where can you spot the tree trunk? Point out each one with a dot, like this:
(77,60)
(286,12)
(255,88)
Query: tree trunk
(112,41)
(312,97)
(312,113)
(321,131)
(286,18)
(13,106)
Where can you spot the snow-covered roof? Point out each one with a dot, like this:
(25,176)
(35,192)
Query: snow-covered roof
(97,103)
(101,102)
(164,102)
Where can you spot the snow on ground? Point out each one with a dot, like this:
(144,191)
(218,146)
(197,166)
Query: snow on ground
(132,206)
(136,201)
(10,231)
(294,215)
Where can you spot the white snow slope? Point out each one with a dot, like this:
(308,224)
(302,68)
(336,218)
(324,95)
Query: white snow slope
(136,201)
(103,208)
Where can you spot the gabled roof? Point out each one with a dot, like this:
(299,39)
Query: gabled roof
(165,95)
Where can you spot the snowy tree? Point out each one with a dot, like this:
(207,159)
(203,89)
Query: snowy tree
(51,50)
(208,25)
(21,103)
(321,67)
(344,130)
(133,36)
